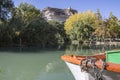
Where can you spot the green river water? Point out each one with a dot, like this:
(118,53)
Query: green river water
(41,65)
(36,65)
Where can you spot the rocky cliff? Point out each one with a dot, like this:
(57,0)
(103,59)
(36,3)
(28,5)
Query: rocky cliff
(57,14)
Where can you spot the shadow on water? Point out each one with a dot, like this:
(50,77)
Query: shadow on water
(69,49)
(28,49)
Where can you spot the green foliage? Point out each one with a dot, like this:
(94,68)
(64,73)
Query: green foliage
(22,17)
(113,26)
(109,28)
(27,27)
(60,32)
(5,35)
(5,8)
(80,26)
(29,12)
(34,33)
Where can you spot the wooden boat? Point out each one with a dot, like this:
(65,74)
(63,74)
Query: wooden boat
(92,67)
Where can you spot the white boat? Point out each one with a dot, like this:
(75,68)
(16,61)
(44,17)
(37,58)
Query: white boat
(77,73)
(110,71)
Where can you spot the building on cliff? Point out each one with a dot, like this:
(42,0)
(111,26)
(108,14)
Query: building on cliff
(57,14)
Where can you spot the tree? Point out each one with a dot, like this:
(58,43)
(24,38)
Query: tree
(113,27)
(108,28)
(99,25)
(98,21)
(5,8)
(29,12)
(5,35)
(35,33)
(80,26)
(60,34)
(22,17)
(98,14)
(5,32)
(29,27)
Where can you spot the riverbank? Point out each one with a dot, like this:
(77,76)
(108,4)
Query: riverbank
(108,43)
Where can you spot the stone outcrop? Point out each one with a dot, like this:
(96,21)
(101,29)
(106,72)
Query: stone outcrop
(57,14)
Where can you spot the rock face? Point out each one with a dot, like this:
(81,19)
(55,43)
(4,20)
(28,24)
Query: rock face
(57,14)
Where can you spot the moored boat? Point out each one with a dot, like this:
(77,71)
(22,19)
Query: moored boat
(97,67)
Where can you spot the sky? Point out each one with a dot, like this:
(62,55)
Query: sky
(105,6)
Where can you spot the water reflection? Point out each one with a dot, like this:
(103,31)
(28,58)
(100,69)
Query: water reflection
(42,65)
(49,67)
(55,70)
(87,49)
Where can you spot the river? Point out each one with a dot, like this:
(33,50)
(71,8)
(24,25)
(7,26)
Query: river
(40,65)
(36,65)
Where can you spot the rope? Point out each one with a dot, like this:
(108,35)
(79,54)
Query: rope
(87,63)
(100,73)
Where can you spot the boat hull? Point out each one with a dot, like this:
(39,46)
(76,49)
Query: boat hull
(84,75)
(77,73)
